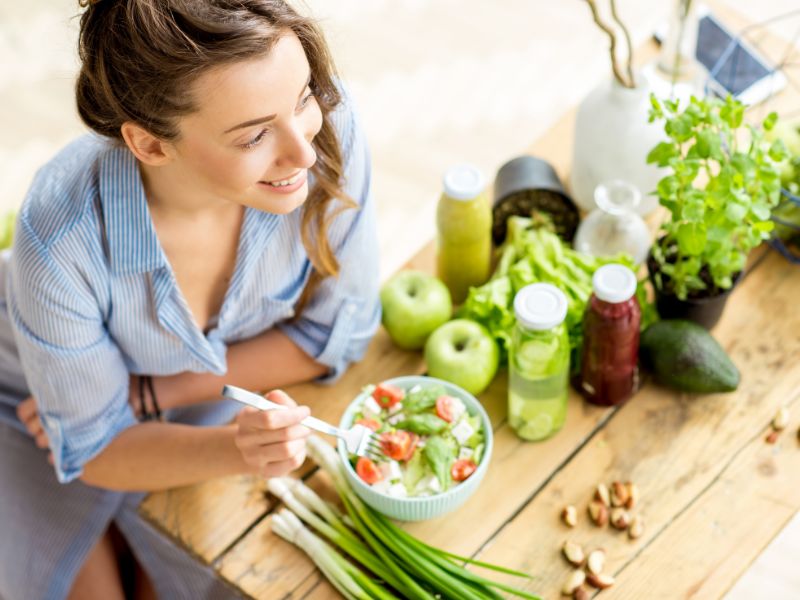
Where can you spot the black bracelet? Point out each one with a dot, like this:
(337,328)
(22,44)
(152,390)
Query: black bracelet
(156,407)
(147,414)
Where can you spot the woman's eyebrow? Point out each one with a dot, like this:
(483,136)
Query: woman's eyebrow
(268,118)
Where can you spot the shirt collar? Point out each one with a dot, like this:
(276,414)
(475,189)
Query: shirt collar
(133,245)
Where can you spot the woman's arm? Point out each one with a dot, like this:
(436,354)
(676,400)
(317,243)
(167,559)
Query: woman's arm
(269,360)
(156,456)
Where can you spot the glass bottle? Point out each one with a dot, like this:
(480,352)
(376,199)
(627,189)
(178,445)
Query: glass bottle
(609,373)
(614,226)
(538,362)
(464,226)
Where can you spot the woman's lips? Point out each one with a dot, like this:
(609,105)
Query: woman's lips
(288,185)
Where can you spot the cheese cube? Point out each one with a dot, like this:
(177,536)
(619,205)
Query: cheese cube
(465,453)
(462,432)
(371,409)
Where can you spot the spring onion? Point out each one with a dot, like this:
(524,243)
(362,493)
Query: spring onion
(401,565)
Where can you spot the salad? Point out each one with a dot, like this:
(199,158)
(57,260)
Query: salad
(429,440)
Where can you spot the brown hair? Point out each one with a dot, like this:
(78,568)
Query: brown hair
(139,56)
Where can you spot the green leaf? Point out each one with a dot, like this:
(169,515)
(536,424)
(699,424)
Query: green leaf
(764,226)
(691,238)
(440,454)
(735,211)
(770,121)
(662,153)
(732,112)
(422,399)
(423,424)
(656,112)
(694,208)
(778,151)
(680,128)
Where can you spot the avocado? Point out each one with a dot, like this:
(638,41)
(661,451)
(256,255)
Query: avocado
(683,355)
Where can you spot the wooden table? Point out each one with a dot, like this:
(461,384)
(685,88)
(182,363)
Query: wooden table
(714,493)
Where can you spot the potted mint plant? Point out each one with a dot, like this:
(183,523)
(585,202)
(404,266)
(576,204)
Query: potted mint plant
(722,186)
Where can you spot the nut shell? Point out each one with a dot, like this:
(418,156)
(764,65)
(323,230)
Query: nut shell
(570,516)
(619,494)
(573,553)
(598,512)
(601,582)
(573,582)
(596,561)
(620,518)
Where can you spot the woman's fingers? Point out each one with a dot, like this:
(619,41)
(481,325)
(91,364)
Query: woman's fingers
(280,397)
(278,469)
(27,409)
(260,437)
(28,413)
(273,442)
(260,420)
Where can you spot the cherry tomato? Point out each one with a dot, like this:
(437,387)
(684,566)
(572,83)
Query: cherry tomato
(411,447)
(398,445)
(462,469)
(368,470)
(371,423)
(387,395)
(444,408)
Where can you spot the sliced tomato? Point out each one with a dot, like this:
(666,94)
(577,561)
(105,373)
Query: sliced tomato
(398,445)
(444,408)
(462,469)
(368,470)
(411,447)
(387,395)
(371,423)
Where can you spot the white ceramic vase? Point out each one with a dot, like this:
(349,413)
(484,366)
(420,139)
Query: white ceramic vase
(612,140)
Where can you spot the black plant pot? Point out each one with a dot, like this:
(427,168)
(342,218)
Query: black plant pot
(703,310)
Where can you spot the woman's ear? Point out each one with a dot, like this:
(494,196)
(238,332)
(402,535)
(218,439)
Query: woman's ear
(145,146)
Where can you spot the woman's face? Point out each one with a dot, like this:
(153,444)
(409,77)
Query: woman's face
(249,142)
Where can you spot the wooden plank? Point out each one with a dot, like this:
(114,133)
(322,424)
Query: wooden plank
(751,499)
(200,517)
(674,446)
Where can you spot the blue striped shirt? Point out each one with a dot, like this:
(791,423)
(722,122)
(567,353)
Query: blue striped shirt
(92,298)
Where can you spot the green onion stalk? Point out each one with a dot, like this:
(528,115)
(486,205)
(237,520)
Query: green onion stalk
(402,565)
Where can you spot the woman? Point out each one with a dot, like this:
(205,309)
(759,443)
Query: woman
(215,228)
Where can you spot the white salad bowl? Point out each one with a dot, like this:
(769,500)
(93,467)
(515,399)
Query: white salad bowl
(424,507)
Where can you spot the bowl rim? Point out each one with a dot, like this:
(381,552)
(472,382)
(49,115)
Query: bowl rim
(346,420)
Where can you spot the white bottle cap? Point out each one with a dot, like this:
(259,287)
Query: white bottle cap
(463,182)
(614,283)
(540,306)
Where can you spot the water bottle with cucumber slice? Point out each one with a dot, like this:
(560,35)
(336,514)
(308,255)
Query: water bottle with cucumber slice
(538,362)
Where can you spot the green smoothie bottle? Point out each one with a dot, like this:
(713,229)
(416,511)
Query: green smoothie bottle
(464,224)
(538,362)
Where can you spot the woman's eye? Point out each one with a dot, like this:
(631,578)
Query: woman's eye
(255,141)
(305,99)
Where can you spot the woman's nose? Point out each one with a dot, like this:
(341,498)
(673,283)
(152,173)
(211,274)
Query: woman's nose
(296,149)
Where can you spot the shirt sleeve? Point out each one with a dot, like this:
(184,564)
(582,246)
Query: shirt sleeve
(340,319)
(72,366)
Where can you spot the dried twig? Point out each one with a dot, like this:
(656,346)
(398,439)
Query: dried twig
(627,41)
(613,48)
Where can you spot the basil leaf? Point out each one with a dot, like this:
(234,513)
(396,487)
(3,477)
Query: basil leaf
(440,455)
(424,424)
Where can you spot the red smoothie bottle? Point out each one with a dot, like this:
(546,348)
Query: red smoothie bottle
(609,371)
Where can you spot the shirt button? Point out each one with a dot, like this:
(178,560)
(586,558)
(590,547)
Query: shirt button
(349,310)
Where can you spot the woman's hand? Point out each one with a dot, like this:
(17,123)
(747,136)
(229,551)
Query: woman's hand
(28,413)
(273,443)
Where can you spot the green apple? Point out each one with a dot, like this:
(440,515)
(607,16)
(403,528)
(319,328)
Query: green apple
(463,352)
(414,304)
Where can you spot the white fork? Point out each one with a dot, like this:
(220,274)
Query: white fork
(359,440)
